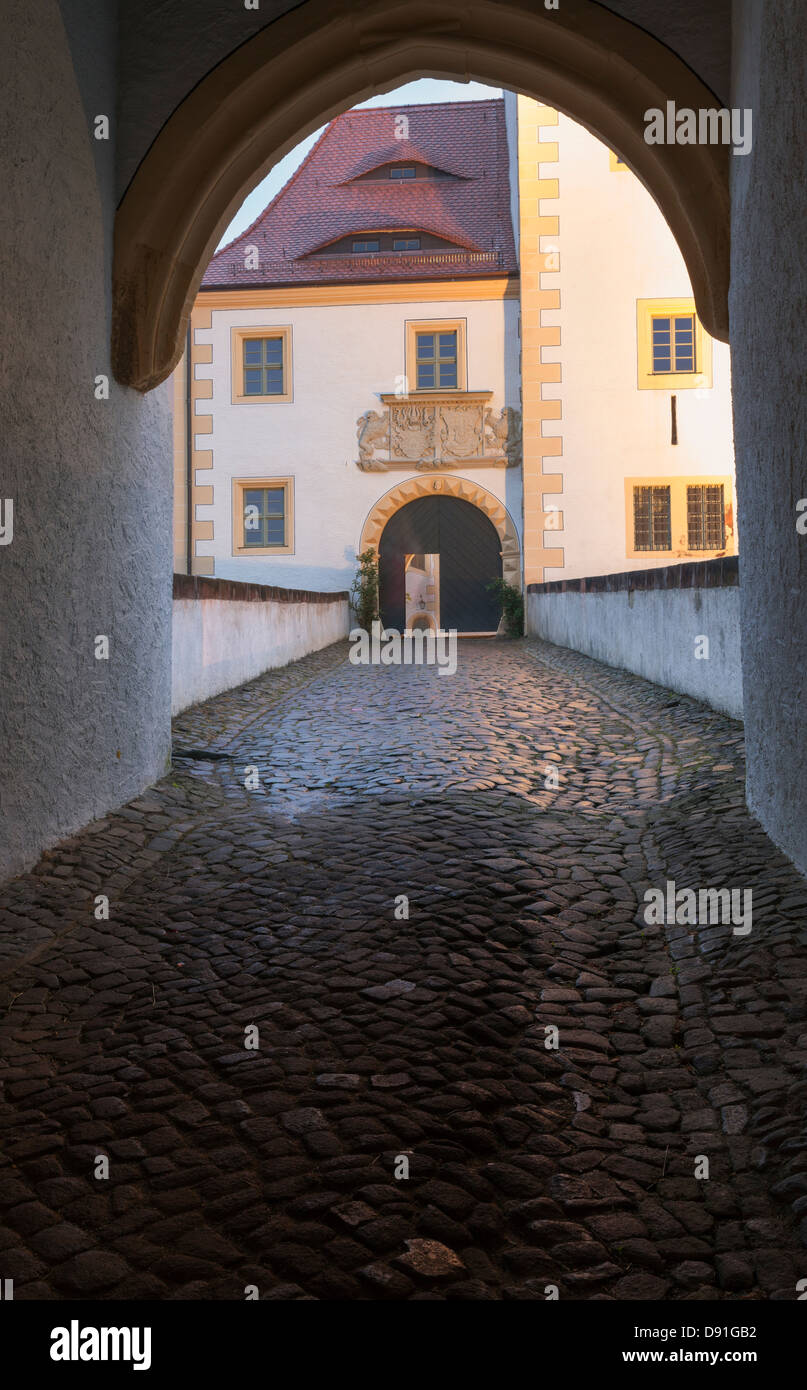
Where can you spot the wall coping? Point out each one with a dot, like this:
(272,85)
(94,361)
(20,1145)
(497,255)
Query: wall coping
(723,573)
(201,586)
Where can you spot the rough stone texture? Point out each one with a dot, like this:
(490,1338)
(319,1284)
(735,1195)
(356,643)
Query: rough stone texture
(770,408)
(164,59)
(385,1037)
(90,479)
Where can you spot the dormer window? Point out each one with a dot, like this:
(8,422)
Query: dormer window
(406,243)
(366,244)
(402,171)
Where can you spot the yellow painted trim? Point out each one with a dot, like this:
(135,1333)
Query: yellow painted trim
(648,380)
(239,484)
(678,517)
(407,292)
(237,337)
(536,155)
(415,326)
(201,389)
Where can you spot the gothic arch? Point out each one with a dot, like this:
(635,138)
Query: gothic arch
(447,485)
(325,56)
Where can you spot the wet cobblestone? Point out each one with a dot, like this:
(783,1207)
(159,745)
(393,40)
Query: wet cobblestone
(386,1040)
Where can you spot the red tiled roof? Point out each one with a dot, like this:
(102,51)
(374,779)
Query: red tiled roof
(322,202)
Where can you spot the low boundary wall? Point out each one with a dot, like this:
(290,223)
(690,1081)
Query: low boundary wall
(225,632)
(653,622)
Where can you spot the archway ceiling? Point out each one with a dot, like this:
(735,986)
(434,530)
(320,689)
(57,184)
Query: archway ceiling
(325,56)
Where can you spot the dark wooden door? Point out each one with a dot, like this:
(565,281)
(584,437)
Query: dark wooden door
(470,557)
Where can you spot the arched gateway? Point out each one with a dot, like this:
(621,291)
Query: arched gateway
(470,532)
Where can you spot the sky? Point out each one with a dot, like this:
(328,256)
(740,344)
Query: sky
(426,89)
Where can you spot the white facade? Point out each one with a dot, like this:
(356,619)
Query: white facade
(615,249)
(344,357)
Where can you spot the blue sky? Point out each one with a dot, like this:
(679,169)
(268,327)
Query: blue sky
(426,89)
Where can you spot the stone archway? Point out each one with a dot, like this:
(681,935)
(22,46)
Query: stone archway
(325,56)
(448,485)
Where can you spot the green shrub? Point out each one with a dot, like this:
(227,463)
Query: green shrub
(512,601)
(364,590)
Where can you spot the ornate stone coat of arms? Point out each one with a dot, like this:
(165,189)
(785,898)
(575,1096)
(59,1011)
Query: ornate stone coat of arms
(440,430)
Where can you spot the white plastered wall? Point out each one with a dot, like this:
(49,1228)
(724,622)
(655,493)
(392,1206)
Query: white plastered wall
(344,357)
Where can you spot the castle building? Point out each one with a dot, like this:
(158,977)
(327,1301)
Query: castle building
(461,335)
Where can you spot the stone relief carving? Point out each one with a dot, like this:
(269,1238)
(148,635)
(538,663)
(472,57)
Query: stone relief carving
(504,433)
(373,433)
(441,432)
(412,431)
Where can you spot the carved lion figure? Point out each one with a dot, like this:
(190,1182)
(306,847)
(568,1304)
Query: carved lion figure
(503,433)
(373,433)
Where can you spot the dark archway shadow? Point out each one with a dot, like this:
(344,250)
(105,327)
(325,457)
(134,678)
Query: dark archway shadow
(304,68)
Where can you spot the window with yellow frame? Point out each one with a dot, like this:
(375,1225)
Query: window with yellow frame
(261,365)
(674,351)
(263,516)
(436,355)
(679,518)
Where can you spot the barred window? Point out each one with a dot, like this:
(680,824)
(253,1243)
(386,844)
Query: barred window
(706,518)
(674,343)
(651,518)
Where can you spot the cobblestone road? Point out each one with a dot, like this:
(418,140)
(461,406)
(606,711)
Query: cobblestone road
(424,1038)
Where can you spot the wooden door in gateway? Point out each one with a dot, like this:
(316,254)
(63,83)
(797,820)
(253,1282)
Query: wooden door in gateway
(470,557)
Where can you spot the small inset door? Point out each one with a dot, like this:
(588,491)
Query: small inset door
(466,547)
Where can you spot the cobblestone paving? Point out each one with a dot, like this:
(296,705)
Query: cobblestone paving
(383,1037)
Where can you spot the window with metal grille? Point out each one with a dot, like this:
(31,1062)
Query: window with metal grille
(674,343)
(368,244)
(651,518)
(263,366)
(706,518)
(436,358)
(406,243)
(264,516)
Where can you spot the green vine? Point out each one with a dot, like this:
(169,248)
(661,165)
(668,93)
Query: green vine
(364,590)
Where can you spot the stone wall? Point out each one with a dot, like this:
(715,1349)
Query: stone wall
(225,633)
(650,622)
(89,476)
(769,346)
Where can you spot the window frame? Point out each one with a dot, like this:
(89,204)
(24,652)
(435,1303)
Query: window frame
(413,328)
(238,336)
(242,485)
(679,528)
(651,549)
(647,379)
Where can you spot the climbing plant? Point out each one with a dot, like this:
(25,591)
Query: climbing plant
(364,590)
(512,601)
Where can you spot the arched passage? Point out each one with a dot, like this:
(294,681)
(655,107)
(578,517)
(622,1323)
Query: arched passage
(305,67)
(447,486)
